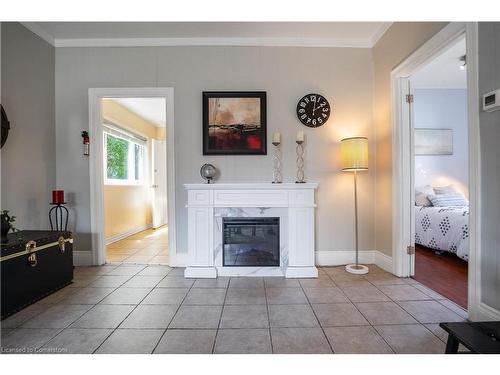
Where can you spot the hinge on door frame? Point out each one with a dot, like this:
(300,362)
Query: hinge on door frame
(409,98)
(410,250)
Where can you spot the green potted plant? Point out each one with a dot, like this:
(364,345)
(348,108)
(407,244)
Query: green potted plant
(7,225)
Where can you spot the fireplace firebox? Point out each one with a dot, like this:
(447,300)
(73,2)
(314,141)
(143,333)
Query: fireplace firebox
(251,242)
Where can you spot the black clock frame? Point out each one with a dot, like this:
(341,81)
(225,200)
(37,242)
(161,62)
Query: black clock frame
(306,98)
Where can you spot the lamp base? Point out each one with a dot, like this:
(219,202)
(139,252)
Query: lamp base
(357,269)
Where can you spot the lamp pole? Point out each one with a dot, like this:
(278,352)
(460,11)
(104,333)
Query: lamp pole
(356,214)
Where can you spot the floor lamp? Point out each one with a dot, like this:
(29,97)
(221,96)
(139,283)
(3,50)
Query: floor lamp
(354,158)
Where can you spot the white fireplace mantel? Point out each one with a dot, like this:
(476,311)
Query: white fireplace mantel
(293,203)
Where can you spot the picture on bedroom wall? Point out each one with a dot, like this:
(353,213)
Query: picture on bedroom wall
(433,142)
(234,123)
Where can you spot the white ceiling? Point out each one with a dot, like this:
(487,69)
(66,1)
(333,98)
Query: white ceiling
(150,109)
(321,34)
(444,71)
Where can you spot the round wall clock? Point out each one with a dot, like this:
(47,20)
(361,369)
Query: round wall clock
(313,110)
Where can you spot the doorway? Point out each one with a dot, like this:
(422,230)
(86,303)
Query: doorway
(438,118)
(404,155)
(135,180)
(132,175)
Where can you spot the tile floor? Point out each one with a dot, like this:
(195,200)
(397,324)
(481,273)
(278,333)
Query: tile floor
(147,247)
(153,309)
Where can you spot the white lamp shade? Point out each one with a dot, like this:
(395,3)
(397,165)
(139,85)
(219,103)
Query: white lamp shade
(354,154)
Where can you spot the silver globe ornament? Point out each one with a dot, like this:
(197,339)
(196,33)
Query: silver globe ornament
(208,172)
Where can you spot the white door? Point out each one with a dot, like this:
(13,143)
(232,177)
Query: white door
(408,98)
(159,183)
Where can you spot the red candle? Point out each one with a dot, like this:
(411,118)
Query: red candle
(58,196)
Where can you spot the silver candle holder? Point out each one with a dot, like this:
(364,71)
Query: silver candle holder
(300,162)
(277,176)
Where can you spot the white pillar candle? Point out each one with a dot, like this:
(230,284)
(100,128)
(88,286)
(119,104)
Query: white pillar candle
(276,137)
(300,136)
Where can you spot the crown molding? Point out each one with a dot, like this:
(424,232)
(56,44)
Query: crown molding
(234,42)
(34,28)
(379,33)
(208,41)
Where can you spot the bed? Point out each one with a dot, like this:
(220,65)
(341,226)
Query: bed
(443,229)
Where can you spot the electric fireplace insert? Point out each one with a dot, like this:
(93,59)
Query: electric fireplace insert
(251,242)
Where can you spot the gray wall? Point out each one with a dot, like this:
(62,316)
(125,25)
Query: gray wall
(343,75)
(443,109)
(489,79)
(29,156)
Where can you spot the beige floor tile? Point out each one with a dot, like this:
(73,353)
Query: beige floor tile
(187,341)
(243,341)
(58,316)
(299,341)
(430,312)
(24,315)
(155,271)
(76,341)
(411,339)
(384,313)
(165,296)
(197,317)
(365,293)
(103,316)
(338,314)
(292,316)
(150,317)
(205,296)
(27,341)
(403,293)
(126,296)
(131,341)
(325,295)
(143,281)
(127,270)
(356,340)
(244,316)
(86,296)
(285,296)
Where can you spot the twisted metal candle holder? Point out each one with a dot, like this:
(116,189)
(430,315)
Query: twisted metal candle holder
(277,176)
(300,162)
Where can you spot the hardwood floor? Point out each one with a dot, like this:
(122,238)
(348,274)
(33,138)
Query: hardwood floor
(446,274)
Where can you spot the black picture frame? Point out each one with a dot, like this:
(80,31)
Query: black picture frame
(254,141)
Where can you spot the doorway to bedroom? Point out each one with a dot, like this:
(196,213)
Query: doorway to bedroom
(438,114)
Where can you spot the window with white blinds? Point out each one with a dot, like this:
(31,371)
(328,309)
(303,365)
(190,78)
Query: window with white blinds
(124,156)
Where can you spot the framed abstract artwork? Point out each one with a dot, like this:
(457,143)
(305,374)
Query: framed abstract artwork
(433,141)
(234,123)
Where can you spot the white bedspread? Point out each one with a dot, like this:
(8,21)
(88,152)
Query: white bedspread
(443,228)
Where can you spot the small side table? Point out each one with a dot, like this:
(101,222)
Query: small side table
(60,214)
(478,337)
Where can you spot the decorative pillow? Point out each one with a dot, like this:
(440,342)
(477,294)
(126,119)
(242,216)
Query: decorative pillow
(448,190)
(448,200)
(421,194)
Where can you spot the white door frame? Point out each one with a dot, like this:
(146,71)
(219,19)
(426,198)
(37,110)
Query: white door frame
(96,164)
(402,156)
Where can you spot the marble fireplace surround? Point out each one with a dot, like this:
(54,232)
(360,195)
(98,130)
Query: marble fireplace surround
(294,205)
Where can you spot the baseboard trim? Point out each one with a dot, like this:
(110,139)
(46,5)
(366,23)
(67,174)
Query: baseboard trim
(486,312)
(83,258)
(128,233)
(338,258)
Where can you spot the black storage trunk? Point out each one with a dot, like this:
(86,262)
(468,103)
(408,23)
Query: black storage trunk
(34,267)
